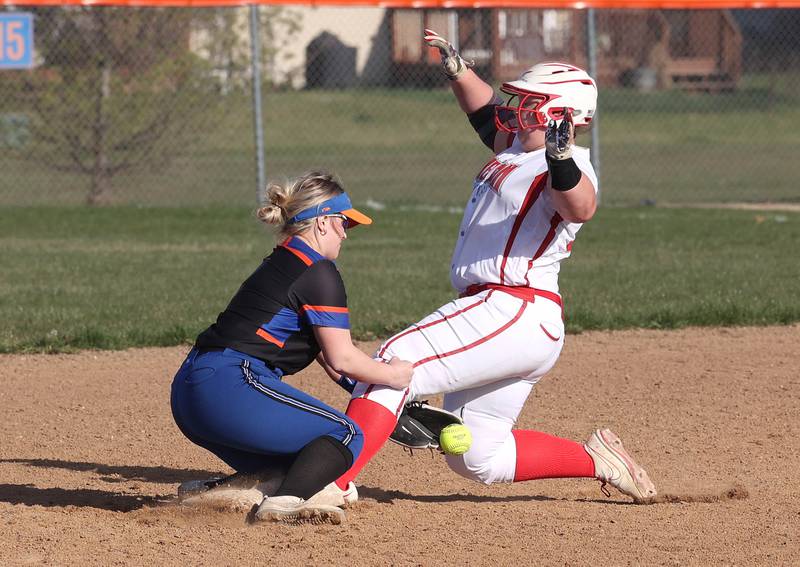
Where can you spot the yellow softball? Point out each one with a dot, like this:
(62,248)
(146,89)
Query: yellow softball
(455,439)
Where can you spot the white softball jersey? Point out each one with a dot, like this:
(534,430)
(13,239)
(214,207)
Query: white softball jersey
(510,233)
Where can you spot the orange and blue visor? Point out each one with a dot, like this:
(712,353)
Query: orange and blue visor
(340,204)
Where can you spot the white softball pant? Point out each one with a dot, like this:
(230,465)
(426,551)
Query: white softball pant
(484,353)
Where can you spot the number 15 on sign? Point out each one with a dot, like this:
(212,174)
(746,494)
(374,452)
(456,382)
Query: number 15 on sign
(16,41)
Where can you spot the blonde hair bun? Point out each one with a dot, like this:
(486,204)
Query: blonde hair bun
(274,212)
(283,202)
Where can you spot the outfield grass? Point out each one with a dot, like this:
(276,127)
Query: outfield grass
(124,276)
(396,145)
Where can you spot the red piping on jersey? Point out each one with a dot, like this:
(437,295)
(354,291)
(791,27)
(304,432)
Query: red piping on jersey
(476,343)
(269,338)
(306,260)
(326,308)
(534,191)
(426,325)
(551,234)
(548,239)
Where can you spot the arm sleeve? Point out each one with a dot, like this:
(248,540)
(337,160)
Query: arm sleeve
(320,297)
(482,121)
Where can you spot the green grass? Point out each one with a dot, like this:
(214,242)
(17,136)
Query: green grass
(669,268)
(121,277)
(396,145)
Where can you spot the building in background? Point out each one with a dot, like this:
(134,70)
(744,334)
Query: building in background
(333,47)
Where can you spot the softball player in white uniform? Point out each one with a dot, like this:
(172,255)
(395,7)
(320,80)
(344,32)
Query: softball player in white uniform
(485,350)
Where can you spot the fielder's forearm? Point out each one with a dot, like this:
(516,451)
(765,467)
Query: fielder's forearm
(341,380)
(343,357)
(355,364)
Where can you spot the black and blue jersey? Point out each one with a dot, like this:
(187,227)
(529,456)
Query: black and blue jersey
(271,316)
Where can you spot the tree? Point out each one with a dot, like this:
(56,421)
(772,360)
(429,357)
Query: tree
(116,90)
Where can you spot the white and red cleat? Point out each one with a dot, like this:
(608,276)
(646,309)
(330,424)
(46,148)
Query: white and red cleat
(613,465)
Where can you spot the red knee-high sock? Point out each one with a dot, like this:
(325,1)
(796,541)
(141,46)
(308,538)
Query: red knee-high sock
(540,455)
(377,423)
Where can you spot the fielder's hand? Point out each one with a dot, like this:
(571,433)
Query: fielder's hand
(403,372)
(452,63)
(559,137)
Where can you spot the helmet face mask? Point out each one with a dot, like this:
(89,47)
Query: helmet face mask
(545,92)
(524,111)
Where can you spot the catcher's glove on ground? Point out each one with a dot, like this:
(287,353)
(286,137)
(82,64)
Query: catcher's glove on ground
(452,62)
(420,425)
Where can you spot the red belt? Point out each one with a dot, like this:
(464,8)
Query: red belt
(526,293)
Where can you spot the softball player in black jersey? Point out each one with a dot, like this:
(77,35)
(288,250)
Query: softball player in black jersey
(229,397)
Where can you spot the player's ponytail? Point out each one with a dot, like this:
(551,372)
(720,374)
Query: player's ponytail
(283,202)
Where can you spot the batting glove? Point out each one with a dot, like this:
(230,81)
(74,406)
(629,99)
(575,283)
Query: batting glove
(452,63)
(559,137)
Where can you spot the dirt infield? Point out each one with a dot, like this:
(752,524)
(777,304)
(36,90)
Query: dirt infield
(90,460)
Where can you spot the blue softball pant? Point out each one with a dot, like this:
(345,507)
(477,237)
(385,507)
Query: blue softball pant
(238,408)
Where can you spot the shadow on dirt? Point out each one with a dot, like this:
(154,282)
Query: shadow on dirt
(387,496)
(30,495)
(119,473)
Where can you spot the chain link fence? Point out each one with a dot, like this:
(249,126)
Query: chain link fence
(154,107)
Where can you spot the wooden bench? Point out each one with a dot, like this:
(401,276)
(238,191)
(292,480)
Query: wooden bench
(698,74)
(692,66)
